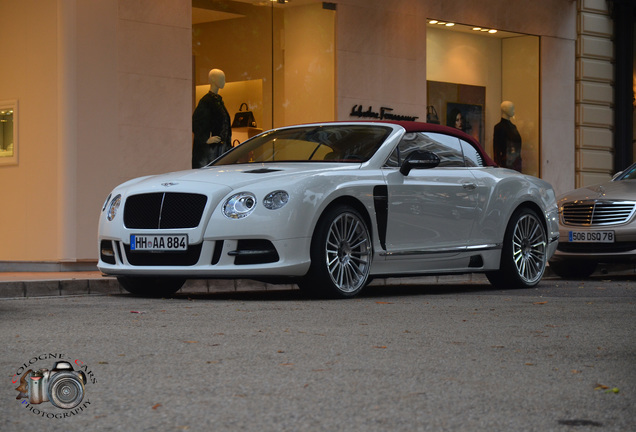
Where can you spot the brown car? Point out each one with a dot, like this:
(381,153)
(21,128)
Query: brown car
(597,224)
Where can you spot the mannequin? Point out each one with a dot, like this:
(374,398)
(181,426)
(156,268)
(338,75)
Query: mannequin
(211,124)
(506,139)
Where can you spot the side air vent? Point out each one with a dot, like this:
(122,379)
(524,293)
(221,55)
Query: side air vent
(476,261)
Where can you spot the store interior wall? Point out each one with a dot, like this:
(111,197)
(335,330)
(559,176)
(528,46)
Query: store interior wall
(466,59)
(520,85)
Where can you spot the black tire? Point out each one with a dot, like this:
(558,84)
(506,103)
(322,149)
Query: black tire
(523,257)
(569,269)
(151,286)
(341,254)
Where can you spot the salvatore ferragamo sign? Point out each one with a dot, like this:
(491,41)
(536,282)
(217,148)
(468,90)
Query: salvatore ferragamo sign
(384,114)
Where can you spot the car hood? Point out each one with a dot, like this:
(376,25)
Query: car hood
(616,190)
(237,176)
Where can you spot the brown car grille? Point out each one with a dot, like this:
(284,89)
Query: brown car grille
(164,210)
(591,213)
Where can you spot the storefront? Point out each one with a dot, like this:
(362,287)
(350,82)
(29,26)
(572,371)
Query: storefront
(280,63)
(104,90)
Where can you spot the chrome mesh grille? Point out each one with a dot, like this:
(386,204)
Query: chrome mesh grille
(591,213)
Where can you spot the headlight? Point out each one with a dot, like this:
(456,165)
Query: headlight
(106,202)
(275,200)
(112,209)
(239,205)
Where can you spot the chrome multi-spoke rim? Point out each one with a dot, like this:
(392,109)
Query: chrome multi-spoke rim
(528,248)
(348,252)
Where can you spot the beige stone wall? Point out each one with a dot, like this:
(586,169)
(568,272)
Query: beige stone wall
(594,93)
(105,93)
(29,191)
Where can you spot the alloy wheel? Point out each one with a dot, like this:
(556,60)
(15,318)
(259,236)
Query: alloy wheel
(529,248)
(348,251)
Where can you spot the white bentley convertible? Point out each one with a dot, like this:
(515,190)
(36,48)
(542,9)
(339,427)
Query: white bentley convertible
(329,206)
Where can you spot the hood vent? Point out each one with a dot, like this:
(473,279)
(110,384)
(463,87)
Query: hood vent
(261,171)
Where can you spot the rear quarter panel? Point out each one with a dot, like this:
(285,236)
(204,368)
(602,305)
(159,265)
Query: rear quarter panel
(502,192)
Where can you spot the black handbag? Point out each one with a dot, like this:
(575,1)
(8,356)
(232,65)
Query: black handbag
(244,118)
(431,115)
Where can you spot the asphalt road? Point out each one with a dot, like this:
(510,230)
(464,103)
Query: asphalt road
(453,357)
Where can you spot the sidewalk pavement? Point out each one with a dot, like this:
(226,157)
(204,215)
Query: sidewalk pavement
(41,284)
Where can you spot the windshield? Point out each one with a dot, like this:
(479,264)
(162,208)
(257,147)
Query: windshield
(330,143)
(628,174)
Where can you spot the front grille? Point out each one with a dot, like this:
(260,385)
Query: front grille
(594,213)
(164,210)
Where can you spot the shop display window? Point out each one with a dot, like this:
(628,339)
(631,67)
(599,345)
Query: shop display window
(8,132)
(471,71)
(278,59)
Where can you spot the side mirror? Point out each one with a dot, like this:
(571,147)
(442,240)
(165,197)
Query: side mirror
(419,159)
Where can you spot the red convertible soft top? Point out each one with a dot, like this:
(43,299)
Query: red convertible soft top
(412,126)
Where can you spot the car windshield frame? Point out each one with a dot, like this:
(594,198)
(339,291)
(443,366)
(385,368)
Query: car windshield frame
(335,143)
(628,174)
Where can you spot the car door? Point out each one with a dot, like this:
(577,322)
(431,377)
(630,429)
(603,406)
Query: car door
(430,211)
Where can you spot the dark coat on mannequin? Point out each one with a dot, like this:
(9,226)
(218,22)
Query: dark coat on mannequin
(507,145)
(210,118)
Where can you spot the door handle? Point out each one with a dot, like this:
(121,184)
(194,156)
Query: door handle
(469,186)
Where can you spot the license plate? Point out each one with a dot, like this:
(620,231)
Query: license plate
(159,243)
(592,236)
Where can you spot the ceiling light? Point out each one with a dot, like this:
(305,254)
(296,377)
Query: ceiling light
(433,22)
(450,24)
(476,28)
(492,31)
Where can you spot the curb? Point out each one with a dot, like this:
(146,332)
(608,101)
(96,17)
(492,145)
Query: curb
(104,285)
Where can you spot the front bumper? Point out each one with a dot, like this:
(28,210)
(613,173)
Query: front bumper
(229,258)
(623,249)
